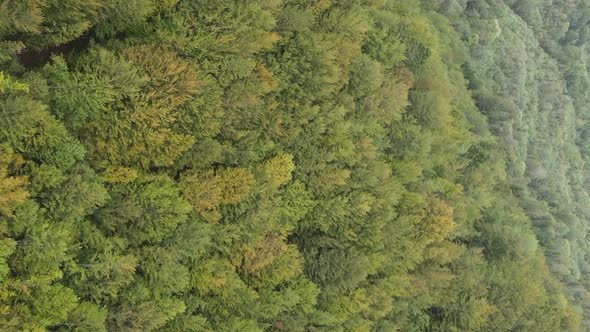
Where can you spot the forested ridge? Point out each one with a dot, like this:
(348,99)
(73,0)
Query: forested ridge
(294,165)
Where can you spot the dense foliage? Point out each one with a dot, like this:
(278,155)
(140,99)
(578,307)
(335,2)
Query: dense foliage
(527,69)
(292,165)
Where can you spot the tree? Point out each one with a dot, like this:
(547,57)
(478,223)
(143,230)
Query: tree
(13,191)
(206,191)
(147,210)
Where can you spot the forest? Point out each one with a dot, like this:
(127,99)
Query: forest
(294,165)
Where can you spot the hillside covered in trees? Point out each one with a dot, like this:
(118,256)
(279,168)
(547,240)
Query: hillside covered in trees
(294,165)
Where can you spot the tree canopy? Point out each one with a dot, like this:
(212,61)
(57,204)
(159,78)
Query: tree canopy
(290,165)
